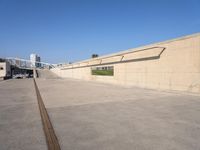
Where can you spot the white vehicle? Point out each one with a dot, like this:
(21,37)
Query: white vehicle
(20,76)
(5,70)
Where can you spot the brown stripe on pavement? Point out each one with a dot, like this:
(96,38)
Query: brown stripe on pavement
(50,135)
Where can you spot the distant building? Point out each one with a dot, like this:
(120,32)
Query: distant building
(35,60)
(5,70)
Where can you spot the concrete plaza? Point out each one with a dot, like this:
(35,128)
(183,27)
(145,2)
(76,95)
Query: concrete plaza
(20,121)
(95,116)
(89,115)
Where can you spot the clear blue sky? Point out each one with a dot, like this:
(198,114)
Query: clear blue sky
(72,30)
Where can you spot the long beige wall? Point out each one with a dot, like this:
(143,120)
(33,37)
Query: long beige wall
(171,65)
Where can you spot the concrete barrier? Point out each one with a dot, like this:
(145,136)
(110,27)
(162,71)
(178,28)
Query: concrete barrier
(171,65)
(35,73)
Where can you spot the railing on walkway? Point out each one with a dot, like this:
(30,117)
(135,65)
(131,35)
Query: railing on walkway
(27,64)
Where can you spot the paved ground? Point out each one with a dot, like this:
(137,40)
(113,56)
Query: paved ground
(20,123)
(94,116)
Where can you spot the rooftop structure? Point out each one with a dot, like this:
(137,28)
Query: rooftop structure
(35,59)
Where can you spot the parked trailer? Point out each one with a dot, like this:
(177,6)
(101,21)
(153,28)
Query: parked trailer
(5,70)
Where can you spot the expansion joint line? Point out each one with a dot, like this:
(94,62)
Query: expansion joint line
(50,135)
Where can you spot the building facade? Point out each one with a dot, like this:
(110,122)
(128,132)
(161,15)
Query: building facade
(5,70)
(35,60)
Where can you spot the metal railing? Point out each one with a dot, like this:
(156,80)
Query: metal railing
(27,64)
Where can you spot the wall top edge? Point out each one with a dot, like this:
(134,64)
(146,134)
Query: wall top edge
(137,48)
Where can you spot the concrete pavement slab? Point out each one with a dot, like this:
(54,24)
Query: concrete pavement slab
(89,115)
(20,122)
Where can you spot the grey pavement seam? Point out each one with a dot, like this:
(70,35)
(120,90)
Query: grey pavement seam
(50,135)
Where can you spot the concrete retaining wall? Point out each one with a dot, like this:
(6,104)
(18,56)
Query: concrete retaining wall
(171,65)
